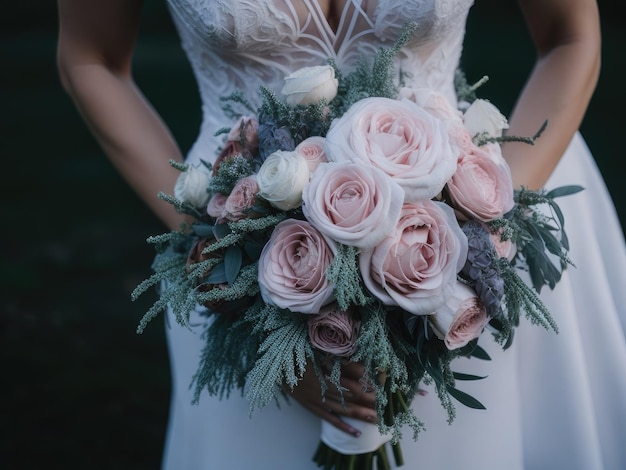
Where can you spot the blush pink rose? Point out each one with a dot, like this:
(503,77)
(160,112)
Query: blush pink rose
(352,203)
(461,319)
(292,267)
(504,248)
(246,132)
(400,138)
(215,207)
(334,331)
(415,267)
(243,139)
(241,199)
(312,149)
(481,188)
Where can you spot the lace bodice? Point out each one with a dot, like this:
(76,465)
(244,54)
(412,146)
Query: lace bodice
(241,44)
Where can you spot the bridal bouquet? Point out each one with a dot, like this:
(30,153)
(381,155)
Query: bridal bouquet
(352,220)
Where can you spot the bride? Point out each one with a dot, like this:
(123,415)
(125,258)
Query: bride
(553,401)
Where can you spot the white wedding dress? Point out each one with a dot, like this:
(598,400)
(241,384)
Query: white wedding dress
(553,401)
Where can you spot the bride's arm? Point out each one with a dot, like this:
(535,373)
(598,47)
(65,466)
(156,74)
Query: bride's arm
(96,42)
(95,47)
(566,34)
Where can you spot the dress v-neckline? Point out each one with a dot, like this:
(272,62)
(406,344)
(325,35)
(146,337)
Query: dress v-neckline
(352,12)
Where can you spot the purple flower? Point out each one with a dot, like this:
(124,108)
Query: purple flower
(273,138)
(481,268)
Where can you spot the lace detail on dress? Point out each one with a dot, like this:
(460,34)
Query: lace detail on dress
(241,44)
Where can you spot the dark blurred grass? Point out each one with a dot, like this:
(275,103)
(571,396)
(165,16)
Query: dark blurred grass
(81,389)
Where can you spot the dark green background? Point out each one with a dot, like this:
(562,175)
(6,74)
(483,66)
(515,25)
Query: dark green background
(79,388)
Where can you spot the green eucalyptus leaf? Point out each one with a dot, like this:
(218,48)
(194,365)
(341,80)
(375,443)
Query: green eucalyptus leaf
(557,211)
(564,191)
(480,353)
(207,165)
(465,399)
(253,248)
(202,230)
(232,263)
(550,240)
(260,209)
(434,372)
(461,376)
(217,275)
(221,230)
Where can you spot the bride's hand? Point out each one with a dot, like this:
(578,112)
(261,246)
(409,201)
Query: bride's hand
(359,399)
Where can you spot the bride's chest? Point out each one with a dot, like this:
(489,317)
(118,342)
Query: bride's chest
(261,25)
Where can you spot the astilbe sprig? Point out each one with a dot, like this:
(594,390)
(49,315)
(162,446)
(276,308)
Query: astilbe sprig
(518,298)
(182,207)
(370,78)
(236,98)
(230,171)
(245,285)
(464,91)
(301,120)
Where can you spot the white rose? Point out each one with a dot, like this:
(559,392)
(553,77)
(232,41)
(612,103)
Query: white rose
(482,116)
(310,85)
(461,319)
(191,186)
(281,179)
(433,102)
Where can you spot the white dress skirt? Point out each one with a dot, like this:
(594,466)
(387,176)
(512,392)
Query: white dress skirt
(554,401)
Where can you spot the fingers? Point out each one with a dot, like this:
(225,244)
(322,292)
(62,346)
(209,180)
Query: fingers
(353,391)
(351,410)
(354,398)
(335,419)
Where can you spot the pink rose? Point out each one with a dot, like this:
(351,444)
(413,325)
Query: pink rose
(215,207)
(504,248)
(312,149)
(415,267)
(243,139)
(334,331)
(400,138)
(481,188)
(353,204)
(461,319)
(246,132)
(292,267)
(241,199)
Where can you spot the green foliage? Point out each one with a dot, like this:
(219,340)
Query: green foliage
(344,273)
(371,77)
(230,171)
(230,108)
(540,237)
(227,357)
(282,355)
(381,348)
(302,121)
(518,298)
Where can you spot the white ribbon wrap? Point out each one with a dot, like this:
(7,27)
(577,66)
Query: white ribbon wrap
(369,440)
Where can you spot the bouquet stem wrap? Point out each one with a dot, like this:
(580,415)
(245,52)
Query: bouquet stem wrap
(369,440)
